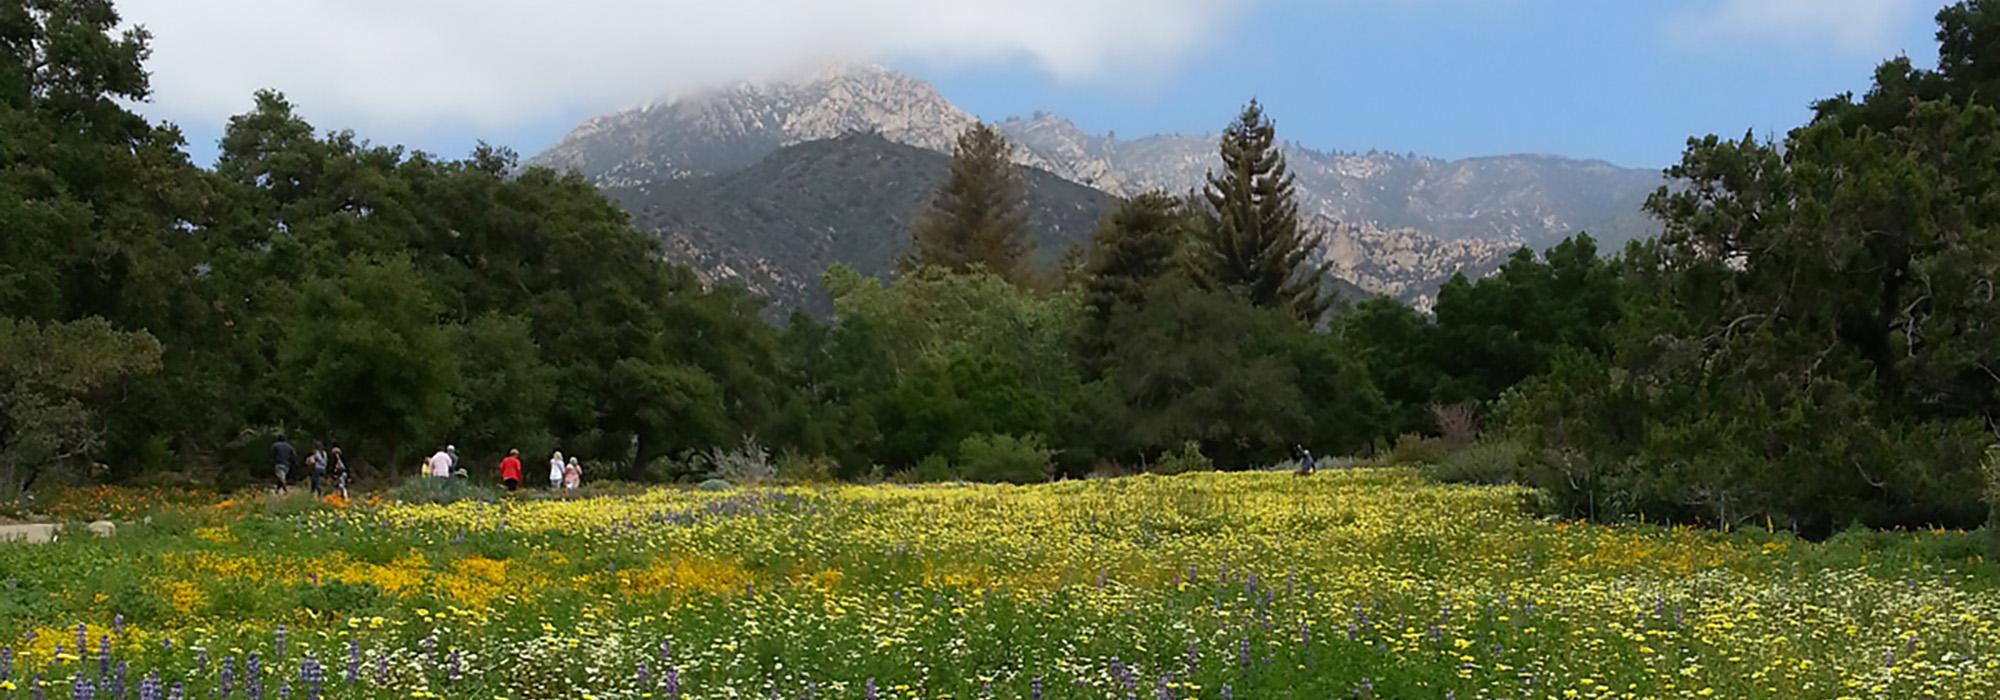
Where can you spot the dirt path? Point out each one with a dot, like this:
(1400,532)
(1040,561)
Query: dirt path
(32,533)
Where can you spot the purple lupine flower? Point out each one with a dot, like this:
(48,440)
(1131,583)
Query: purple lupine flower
(118,624)
(103,656)
(39,693)
(253,677)
(640,675)
(314,676)
(167,643)
(1227,693)
(1162,691)
(178,692)
(456,666)
(201,659)
(353,661)
(430,648)
(118,679)
(81,689)
(1193,656)
(986,690)
(868,690)
(1243,652)
(82,639)
(381,670)
(284,690)
(673,683)
(278,645)
(225,681)
(1035,689)
(149,687)
(6,663)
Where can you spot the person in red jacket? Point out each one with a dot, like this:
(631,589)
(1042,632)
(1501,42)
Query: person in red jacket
(510,470)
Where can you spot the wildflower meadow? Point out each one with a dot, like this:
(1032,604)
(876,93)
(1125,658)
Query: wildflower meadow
(1366,583)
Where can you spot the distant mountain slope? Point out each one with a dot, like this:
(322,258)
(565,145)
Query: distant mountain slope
(1532,199)
(1432,216)
(776,225)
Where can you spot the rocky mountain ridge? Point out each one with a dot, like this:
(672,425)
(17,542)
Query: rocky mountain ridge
(1396,224)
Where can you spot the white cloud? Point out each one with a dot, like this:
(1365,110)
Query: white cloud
(392,66)
(1866,27)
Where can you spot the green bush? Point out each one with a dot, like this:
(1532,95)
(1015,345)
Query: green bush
(1188,459)
(1991,467)
(1491,462)
(1413,449)
(441,491)
(800,468)
(715,485)
(932,469)
(1005,458)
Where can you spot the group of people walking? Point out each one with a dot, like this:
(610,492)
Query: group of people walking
(327,469)
(563,475)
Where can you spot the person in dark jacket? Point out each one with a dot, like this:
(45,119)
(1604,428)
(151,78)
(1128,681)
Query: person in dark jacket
(283,460)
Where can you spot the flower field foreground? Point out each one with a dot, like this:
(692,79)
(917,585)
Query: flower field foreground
(1365,583)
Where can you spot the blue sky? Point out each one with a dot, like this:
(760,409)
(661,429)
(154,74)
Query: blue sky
(1624,81)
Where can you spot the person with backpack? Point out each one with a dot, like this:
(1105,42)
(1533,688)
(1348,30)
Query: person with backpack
(283,460)
(316,469)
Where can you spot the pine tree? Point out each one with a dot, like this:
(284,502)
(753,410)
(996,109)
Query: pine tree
(1254,242)
(1134,246)
(978,217)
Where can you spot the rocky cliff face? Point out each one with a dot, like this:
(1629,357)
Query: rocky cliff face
(1404,222)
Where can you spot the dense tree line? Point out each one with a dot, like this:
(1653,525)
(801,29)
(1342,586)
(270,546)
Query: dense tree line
(1812,340)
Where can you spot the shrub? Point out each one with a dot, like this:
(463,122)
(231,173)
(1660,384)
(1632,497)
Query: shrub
(1457,424)
(936,467)
(440,491)
(1414,449)
(1005,458)
(749,463)
(1188,459)
(1491,462)
(1992,469)
(715,485)
(800,468)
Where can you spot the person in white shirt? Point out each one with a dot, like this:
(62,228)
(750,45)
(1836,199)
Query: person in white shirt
(556,465)
(441,464)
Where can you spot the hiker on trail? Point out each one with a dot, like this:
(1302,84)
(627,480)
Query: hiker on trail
(338,469)
(283,459)
(556,468)
(316,468)
(441,464)
(572,475)
(1305,461)
(456,472)
(510,470)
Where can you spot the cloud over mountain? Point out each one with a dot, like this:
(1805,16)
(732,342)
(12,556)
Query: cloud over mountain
(391,65)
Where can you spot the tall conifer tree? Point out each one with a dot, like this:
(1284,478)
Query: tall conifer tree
(1254,243)
(978,217)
